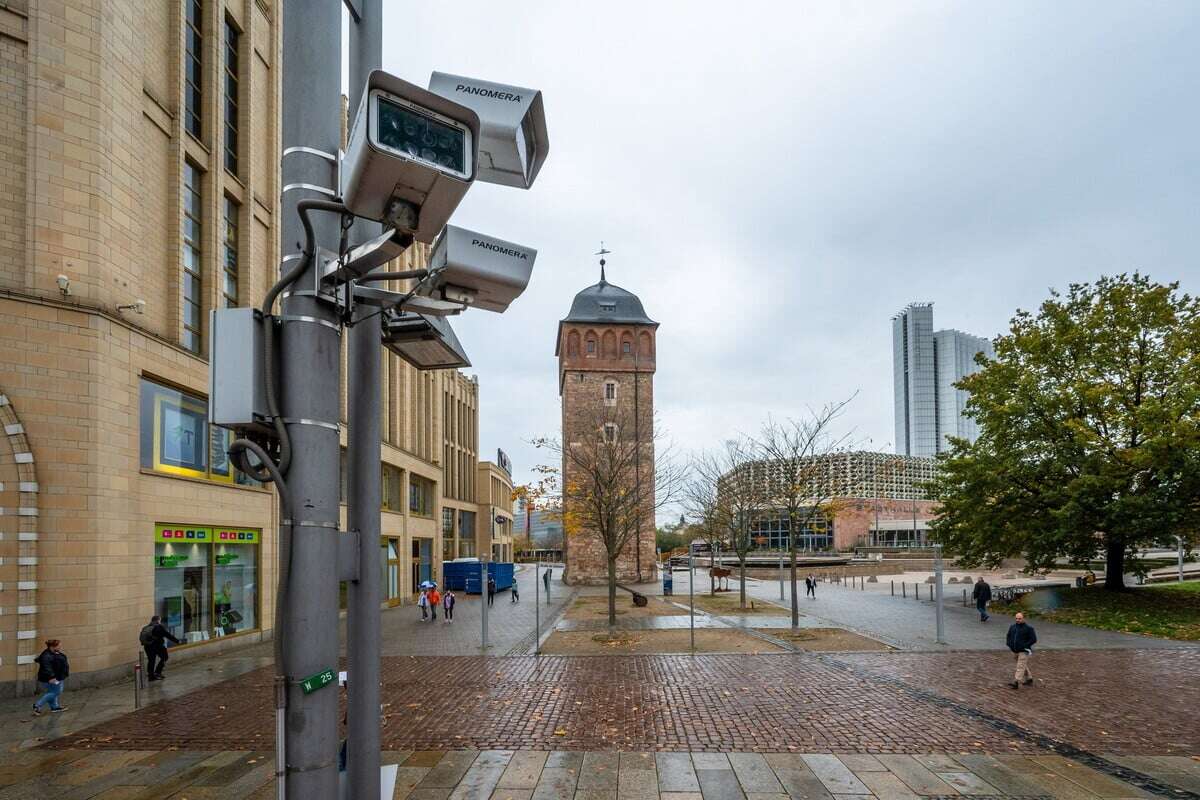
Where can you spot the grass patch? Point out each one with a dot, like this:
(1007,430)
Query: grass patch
(1169,611)
(729,603)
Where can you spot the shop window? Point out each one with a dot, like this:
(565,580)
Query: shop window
(206,580)
(176,438)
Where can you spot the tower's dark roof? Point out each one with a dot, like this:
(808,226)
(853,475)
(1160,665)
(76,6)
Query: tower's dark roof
(603,302)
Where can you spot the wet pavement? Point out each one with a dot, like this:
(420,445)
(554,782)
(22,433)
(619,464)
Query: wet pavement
(599,775)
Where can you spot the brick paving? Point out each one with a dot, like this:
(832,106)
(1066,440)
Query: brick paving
(878,703)
(571,775)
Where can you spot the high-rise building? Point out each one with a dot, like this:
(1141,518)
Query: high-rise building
(926,366)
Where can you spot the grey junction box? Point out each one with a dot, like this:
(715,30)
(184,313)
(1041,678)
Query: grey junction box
(237,396)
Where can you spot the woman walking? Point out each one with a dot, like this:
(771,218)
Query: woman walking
(448,606)
(53,670)
(423,602)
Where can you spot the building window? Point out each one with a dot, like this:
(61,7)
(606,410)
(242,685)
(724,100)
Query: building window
(191,291)
(626,347)
(230,285)
(192,63)
(466,534)
(390,488)
(420,496)
(608,308)
(231,97)
(447,534)
(610,393)
(206,580)
(591,346)
(176,438)
(610,432)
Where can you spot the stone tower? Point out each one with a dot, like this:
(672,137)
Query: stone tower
(606,357)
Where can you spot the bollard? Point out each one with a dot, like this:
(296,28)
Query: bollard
(137,684)
(903,590)
(862,583)
(893,583)
(964,598)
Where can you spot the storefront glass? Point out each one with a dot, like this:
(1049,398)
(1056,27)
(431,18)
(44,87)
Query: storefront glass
(206,580)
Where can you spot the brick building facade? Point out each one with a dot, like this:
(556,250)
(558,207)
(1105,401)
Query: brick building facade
(606,352)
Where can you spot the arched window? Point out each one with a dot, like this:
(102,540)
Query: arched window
(645,345)
(591,347)
(573,343)
(610,344)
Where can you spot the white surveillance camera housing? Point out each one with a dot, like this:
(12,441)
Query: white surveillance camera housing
(140,306)
(64,284)
(514,143)
(410,157)
(478,270)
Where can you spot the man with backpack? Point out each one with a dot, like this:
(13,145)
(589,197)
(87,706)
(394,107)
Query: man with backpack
(154,638)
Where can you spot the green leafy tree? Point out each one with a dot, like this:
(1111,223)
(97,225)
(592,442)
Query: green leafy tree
(1090,432)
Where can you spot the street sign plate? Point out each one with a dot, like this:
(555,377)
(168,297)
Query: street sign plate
(318,681)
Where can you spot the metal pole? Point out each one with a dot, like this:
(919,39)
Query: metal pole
(781,575)
(1179,539)
(692,598)
(483,595)
(310,367)
(537,619)
(937,588)
(363,623)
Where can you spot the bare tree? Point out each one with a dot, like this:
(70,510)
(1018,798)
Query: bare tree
(738,496)
(611,486)
(700,502)
(797,475)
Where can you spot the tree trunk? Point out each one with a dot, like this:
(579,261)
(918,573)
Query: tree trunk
(742,569)
(612,592)
(795,599)
(1114,565)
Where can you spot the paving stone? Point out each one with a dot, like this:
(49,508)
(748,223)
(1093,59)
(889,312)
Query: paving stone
(1007,781)
(719,784)
(861,762)
(887,786)
(512,794)
(1092,781)
(919,779)
(599,771)
(638,784)
(834,774)
(424,758)
(710,761)
(483,775)
(766,796)
(802,784)
(408,778)
(523,770)
(754,774)
(595,794)
(450,769)
(559,783)
(1047,781)
(676,773)
(565,759)
(968,783)
(937,762)
(680,796)
(430,793)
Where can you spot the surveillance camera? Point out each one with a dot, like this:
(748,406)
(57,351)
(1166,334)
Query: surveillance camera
(425,342)
(64,284)
(140,306)
(513,142)
(479,270)
(410,157)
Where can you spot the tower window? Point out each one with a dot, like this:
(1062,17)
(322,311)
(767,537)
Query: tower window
(610,392)
(608,308)
(591,346)
(626,347)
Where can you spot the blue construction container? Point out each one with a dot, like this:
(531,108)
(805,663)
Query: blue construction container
(464,575)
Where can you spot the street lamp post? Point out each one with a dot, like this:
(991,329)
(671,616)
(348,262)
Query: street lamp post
(537,619)
(937,588)
(1179,555)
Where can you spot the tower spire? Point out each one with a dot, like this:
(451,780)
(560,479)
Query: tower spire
(602,253)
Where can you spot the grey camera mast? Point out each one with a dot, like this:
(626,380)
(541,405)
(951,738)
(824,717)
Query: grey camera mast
(412,155)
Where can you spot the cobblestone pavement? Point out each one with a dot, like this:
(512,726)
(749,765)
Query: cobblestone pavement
(1097,701)
(599,775)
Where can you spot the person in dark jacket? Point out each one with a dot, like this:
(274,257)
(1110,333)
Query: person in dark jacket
(52,673)
(982,595)
(491,589)
(154,641)
(1021,639)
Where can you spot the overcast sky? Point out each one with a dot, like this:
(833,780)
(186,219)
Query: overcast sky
(775,180)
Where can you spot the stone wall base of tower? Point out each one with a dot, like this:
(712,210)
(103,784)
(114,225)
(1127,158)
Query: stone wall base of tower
(587,563)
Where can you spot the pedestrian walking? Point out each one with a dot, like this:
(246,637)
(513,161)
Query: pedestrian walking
(153,638)
(52,673)
(546,579)
(810,587)
(491,587)
(423,602)
(1021,639)
(448,607)
(435,599)
(982,595)
(516,595)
